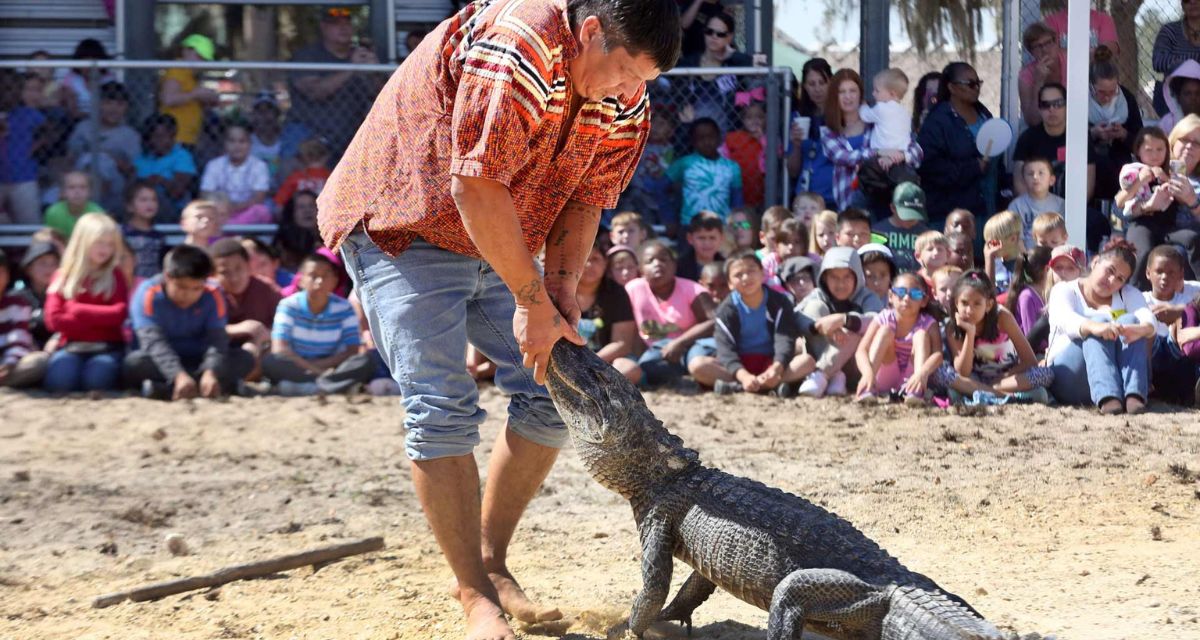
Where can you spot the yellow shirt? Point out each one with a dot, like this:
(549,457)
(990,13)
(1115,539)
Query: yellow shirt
(189,115)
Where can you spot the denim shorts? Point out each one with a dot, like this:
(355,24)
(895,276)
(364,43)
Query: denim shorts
(658,371)
(423,306)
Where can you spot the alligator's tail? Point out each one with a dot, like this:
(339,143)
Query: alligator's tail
(916,614)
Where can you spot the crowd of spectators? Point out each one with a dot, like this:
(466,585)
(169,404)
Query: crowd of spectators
(909,265)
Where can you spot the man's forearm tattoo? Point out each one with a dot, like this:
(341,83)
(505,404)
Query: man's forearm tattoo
(530,294)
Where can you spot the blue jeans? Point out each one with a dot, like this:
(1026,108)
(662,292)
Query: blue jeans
(1095,369)
(82,372)
(658,371)
(423,306)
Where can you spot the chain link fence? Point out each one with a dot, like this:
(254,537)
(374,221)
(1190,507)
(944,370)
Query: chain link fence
(1136,25)
(109,121)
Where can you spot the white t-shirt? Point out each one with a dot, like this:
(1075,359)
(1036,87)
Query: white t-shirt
(239,182)
(1068,311)
(1191,289)
(893,125)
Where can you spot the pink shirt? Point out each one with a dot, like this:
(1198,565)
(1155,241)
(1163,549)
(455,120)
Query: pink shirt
(658,319)
(903,343)
(1026,75)
(1100,24)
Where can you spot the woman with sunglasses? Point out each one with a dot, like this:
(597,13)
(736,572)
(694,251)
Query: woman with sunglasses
(1173,212)
(953,171)
(1098,330)
(712,95)
(1176,43)
(694,19)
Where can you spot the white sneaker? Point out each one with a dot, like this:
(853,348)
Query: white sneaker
(837,385)
(296,389)
(814,385)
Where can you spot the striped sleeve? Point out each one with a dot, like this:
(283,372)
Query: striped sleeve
(618,153)
(502,95)
(350,336)
(15,339)
(281,328)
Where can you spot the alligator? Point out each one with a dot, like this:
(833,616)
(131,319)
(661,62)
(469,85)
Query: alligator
(804,565)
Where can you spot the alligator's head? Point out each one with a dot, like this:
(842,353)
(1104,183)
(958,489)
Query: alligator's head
(621,443)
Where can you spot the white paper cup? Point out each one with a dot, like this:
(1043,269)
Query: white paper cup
(802,123)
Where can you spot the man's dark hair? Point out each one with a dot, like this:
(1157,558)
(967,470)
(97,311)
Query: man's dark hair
(853,215)
(187,261)
(228,247)
(263,248)
(1042,159)
(641,26)
(1052,85)
(159,120)
(134,187)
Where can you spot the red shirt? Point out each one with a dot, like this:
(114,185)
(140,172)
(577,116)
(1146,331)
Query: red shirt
(88,317)
(308,179)
(485,95)
(747,151)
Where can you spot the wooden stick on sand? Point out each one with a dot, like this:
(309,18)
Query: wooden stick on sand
(241,572)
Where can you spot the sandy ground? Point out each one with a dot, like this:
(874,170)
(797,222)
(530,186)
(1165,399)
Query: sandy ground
(1049,520)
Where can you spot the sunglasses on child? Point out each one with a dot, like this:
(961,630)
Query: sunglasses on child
(740,224)
(911,292)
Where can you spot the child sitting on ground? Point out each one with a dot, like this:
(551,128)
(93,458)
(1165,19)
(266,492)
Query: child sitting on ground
(799,276)
(1049,230)
(1173,373)
(265,263)
(854,228)
(707,181)
(739,232)
(932,252)
(315,339)
(1037,199)
(1002,244)
(201,223)
(962,250)
(755,334)
(705,233)
(241,178)
(675,320)
(76,201)
(252,300)
(991,354)
(315,157)
(179,319)
(1027,294)
(832,319)
(806,206)
(944,280)
(1067,263)
(822,235)
(712,278)
(790,241)
(902,347)
(606,317)
(878,268)
(772,219)
(629,229)
(18,366)
(901,229)
(147,244)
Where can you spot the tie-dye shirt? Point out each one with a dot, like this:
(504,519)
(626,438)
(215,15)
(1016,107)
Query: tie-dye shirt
(707,184)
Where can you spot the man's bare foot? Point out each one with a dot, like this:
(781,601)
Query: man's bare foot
(513,598)
(485,621)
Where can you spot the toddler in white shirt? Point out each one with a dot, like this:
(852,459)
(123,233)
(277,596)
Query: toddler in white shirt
(893,123)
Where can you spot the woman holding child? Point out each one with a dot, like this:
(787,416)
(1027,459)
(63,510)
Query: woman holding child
(846,138)
(1172,206)
(1099,325)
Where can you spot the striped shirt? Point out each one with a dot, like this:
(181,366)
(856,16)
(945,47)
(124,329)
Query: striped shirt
(15,339)
(1172,48)
(316,335)
(485,95)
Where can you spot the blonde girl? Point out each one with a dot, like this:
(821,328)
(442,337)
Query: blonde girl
(824,233)
(87,304)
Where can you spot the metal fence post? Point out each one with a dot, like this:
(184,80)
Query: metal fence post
(771,184)
(873,38)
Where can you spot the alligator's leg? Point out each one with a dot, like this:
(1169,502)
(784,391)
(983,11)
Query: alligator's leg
(823,594)
(657,545)
(695,590)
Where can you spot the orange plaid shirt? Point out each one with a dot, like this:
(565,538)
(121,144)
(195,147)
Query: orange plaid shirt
(485,95)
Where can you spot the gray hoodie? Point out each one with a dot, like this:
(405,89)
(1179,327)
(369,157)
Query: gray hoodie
(860,309)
